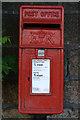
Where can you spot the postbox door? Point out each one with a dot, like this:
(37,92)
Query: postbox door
(39,101)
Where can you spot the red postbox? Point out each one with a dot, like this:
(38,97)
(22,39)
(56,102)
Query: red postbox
(41,48)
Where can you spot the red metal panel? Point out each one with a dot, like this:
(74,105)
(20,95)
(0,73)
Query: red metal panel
(43,38)
(32,102)
(32,39)
(42,15)
(50,20)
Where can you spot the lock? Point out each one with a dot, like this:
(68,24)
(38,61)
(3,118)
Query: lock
(28,78)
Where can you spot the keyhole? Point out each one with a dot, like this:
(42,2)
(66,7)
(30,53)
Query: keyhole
(28,78)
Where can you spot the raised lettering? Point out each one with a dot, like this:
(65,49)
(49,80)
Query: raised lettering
(41,14)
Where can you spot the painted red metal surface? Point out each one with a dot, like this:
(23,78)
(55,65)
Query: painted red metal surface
(41,38)
(41,27)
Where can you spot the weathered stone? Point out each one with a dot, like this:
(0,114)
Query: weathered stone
(70,6)
(67,113)
(10,22)
(71,30)
(14,114)
(70,92)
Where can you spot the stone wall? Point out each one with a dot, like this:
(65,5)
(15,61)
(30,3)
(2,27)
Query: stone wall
(10,22)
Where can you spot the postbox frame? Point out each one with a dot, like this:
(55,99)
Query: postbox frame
(20,103)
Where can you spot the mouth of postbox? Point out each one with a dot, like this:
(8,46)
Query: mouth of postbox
(29,25)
